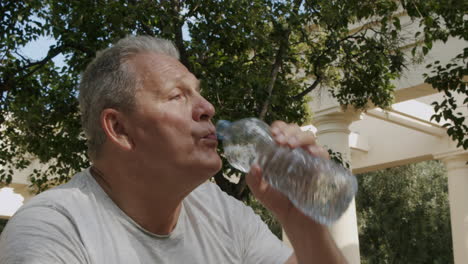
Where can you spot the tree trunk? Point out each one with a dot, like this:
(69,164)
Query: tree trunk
(179,37)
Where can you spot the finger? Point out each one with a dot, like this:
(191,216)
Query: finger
(303,138)
(277,131)
(295,137)
(291,131)
(285,134)
(255,181)
(317,151)
(275,201)
(278,126)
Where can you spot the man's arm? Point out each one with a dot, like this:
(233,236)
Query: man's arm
(311,241)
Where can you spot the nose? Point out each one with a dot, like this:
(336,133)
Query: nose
(203,110)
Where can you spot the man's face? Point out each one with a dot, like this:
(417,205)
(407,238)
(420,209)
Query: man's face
(170,128)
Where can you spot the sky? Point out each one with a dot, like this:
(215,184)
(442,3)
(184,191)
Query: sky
(36,50)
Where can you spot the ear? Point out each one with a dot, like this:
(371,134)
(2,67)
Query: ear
(114,125)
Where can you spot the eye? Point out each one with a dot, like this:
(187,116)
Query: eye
(178,96)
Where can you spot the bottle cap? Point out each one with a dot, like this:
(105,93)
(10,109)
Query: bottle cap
(221,128)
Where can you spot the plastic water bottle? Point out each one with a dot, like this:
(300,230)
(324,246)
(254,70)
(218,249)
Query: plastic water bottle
(320,188)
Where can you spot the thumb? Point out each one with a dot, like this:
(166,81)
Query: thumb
(255,181)
(272,199)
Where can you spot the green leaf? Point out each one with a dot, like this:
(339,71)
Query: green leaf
(425,50)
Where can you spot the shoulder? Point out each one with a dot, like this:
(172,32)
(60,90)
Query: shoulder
(77,192)
(40,234)
(63,193)
(52,205)
(53,208)
(45,226)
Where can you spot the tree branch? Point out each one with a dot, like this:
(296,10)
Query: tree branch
(9,80)
(309,89)
(179,41)
(83,49)
(277,64)
(191,11)
(146,29)
(316,72)
(274,75)
(21,56)
(50,55)
(179,37)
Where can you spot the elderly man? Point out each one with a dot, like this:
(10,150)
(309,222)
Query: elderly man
(146,198)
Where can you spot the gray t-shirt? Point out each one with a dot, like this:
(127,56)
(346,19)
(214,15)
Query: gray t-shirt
(78,223)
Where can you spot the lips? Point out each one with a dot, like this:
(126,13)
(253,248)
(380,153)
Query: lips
(211,136)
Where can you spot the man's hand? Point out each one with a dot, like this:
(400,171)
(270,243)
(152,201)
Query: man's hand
(311,241)
(287,135)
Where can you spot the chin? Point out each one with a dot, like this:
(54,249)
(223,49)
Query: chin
(206,164)
(213,167)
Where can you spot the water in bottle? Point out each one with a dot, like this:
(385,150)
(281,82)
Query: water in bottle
(320,188)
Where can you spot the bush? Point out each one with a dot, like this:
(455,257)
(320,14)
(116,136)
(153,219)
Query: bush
(403,215)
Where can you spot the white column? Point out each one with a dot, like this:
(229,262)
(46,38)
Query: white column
(457,171)
(333,132)
(12,197)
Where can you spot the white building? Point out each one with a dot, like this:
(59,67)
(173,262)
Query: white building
(381,139)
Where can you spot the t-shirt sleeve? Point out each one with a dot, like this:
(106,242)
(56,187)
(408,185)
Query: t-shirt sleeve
(260,245)
(30,239)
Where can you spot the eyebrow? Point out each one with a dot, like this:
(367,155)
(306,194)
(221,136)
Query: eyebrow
(186,82)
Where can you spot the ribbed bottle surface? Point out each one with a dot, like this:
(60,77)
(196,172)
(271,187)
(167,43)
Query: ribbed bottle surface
(320,188)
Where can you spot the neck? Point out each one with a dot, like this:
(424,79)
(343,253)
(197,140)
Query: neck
(155,209)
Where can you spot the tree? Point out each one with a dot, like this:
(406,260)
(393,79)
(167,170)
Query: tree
(256,58)
(404,216)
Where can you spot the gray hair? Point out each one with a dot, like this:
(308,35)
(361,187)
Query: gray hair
(110,82)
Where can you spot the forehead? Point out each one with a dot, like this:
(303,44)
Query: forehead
(159,70)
